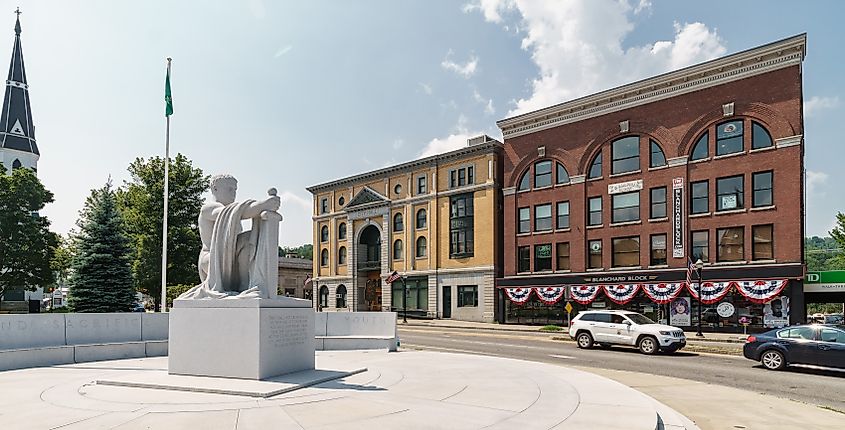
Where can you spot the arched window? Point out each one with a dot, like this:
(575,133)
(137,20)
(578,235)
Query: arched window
(341,255)
(340,297)
(543,174)
(341,201)
(524,183)
(421,219)
(595,168)
(324,296)
(16,164)
(341,231)
(760,138)
(729,137)
(324,233)
(625,155)
(421,246)
(324,257)
(397,222)
(562,175)
(397,249)
(700,151)
(657,159)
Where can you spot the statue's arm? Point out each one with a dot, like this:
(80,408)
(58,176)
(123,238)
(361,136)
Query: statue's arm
(271,203)
(211,210)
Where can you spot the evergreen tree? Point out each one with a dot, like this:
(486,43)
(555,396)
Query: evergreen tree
(838,232)
(101,279)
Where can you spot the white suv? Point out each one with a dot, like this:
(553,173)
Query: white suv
(613,327)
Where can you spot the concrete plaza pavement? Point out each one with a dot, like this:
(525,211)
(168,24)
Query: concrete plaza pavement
(408,389)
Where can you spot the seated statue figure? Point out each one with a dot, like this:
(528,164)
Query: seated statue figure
(232,262)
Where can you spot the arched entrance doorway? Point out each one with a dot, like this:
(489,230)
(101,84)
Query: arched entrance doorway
(369,269)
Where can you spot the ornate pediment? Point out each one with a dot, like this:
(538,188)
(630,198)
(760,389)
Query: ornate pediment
(366,198)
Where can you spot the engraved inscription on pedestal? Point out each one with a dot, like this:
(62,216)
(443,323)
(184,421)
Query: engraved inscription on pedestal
(287,330)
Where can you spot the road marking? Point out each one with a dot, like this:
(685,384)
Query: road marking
(568,357)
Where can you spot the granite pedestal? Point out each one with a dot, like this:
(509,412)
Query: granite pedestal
(241,338)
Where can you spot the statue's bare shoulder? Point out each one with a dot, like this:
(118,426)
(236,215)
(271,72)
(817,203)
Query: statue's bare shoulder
(210,210)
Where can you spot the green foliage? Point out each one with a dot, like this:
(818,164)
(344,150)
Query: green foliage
(141,201)
(823,308)
(303,251)
(174,291)
(60,263)
(838,232)
(551,328)
(823,253)
(26,243)
(102,277)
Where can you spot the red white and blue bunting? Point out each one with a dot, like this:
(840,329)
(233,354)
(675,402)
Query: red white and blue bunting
(622,293)
(584,294)
(549,295)
(663,293)
(711,292)
(761,291)
(518,295)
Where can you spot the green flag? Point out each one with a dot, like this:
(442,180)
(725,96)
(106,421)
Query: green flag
(168,100)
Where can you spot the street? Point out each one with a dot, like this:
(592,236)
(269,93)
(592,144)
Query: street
(814,386)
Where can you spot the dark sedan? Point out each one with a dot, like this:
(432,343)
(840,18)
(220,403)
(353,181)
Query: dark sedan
(817,344)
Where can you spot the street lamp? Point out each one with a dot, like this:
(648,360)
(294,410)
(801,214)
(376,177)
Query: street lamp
(404,301)
(698,266)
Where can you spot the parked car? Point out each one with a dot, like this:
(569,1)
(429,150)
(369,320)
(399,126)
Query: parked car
(815,344)
(614,327)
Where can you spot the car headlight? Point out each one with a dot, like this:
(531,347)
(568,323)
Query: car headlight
(665,333)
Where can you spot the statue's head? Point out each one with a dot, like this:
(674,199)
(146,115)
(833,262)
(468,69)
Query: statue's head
(223,188)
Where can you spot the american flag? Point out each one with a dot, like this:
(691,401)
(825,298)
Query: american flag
(307,280)
(690,268)
(393,277)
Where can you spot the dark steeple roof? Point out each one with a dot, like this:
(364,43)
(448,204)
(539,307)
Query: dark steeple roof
(16,129)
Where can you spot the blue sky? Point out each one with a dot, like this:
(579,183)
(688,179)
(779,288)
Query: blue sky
(291,94)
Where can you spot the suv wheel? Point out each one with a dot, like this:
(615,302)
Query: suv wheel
(773,360)
(648,345)
(584,340)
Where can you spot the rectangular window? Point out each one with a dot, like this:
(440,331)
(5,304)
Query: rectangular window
(729,193)
(762,184)
(594,254)
(729,137)
(562,215)
(701,245)
(524,220)
(626,251)
(543,217)
(563,256)
(594,217)
(763,240)
(467,296)
(453,178)
(626,207)
(470,175)
(462,176)
(543,174)
(421,185)
(461,226)
(523,263)
(658,203)
(658,250)
(324,205)
(700,202)
(626,155)
(730,244)
(543,257)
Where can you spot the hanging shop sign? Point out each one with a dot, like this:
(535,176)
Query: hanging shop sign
(679,312)
(625,187)
(622,293)
(678,218)
(761,291)
(663,293)
(583,294)
(518,295)
(725,309)
(549,295)
(711,292)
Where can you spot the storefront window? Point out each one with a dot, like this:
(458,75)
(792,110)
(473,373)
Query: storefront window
(524,259)
(658,250)
(701,245)
(731,242)
(762,245)
(563,256)
(626,251)
(467,296)
(542,257)
(416,289)
(594,250)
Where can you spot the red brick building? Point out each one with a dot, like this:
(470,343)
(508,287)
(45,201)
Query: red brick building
(611,195)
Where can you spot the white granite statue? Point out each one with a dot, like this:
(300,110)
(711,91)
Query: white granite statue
(235,263)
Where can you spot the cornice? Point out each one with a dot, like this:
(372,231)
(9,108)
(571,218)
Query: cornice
(777,55)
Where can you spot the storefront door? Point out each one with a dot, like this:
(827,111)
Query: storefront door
(447,302)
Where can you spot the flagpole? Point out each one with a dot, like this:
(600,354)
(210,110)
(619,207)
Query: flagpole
(164,216)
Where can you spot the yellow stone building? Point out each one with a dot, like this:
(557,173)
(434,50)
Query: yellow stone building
(436,221)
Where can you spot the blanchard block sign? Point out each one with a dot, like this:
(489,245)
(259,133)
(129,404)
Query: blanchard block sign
(678,217)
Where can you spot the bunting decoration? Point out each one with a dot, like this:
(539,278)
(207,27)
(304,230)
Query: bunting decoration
(621,294)
(518,295)
(549,295)
(584,294)
(663,293)
(761,292)
(711,292)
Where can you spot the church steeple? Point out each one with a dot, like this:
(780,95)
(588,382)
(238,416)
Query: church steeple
(16,129)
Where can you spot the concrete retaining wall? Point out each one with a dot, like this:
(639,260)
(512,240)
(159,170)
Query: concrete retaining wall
(356,330)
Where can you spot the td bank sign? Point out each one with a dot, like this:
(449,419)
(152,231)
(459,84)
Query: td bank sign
(832,281)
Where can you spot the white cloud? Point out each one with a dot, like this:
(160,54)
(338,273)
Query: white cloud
(282,51)
(466,69)
(488,103)
(256,7)
(644,5)
(816,180)
(455,140)
(578,46)
(426,88)
(817,103)
(288,196)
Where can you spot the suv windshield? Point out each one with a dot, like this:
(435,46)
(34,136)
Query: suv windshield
(639,319)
